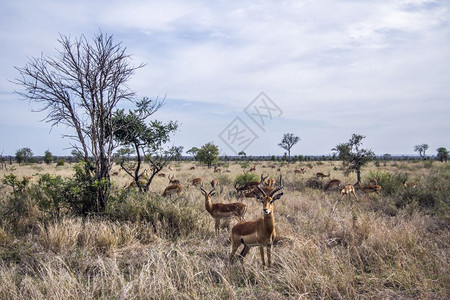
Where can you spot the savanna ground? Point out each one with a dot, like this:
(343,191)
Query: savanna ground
(388,246)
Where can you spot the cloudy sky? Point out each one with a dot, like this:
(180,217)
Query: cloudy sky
(326,69)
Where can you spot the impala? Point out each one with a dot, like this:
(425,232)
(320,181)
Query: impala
(301,171)
(162,175)
(333,183)
(197,181)
(348,190)
(172,189)
(252,169)
(270,182)
(322,175)
(371,188)
(217,170)
(373,182)
(173,181)
(192,168)
(260,232)
(410,184)
(215,183)
(256,190)
(222,211)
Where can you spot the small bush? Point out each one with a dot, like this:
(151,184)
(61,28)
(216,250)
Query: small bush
(244,165)
(60,163)
(245,178)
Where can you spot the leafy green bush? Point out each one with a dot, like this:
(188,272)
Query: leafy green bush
(390,183)
(244,165)
(245,178)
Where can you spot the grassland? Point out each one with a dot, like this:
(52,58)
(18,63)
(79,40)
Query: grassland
(388,246)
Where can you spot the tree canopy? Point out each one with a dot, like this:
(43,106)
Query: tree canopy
(288,141)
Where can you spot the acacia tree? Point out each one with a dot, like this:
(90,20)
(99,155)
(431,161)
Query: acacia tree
(442,154)
(208,154)
(421,149)
(23,154)
(352,156)
(146,140)
(288,141)
(80,88)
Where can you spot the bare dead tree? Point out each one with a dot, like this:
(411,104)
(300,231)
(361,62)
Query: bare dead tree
(80,88)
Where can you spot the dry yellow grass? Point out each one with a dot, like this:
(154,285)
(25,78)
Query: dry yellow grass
(349,252)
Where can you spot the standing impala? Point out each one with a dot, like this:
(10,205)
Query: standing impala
(260,232)
(222,211)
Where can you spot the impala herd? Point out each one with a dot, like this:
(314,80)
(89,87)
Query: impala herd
(260,232)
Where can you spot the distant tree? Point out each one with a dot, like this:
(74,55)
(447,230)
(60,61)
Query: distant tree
(352,156)
(421,150)
(146,140)
(208,154)
(48,157)
(23,155)
(178,151)
(124,153)
(442,154)
(193,151)
(77,155)
(288,141)
(386,157)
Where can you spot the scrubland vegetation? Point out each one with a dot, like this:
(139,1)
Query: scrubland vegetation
(144,246)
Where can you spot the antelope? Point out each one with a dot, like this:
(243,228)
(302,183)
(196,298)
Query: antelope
(373,182)
(162,175)
(223,211)
(301,171)
(227,171)
(270,182)
(173,181)
(252,169)
(410,184)
(321,175)
(217,170)
(215,183)
(192,168)
(348,190)
(171,189)
(333,183)
(249,185)
(259,232)
(371,188)
(197,181)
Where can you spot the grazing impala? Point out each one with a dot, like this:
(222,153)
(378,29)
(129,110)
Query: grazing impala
(348,190)
(370,188)
(301,171)
(197,181)
(172,189)
(260,232)
(252,169)
(222,211)
(321,175)
(332,184)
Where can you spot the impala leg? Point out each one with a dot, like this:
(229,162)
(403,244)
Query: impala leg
(217,226)
(261,252)
(269,255)
(233,251)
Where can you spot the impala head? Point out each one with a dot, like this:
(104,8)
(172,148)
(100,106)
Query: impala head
(268,200)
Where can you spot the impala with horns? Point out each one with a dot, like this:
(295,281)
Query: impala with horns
(322,175)
(173,181)
(260,232)
(223,211)
(172,189)
(349,190)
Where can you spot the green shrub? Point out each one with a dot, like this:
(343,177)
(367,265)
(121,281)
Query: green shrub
(244,165)
(390,183)
(245,178)
(60,163)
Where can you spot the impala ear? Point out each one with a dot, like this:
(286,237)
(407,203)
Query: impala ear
(276,197)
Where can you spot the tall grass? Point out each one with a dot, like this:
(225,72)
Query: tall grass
(149,247)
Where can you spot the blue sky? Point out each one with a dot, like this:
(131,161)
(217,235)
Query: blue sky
(377,68)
